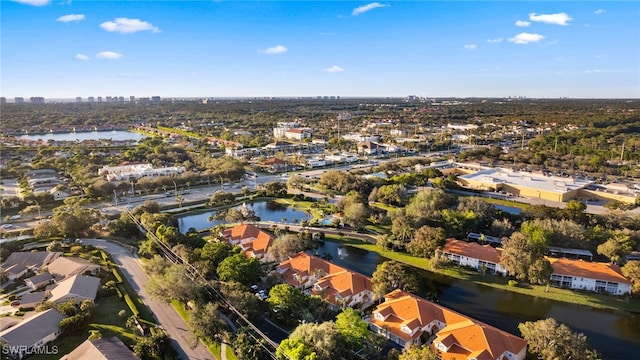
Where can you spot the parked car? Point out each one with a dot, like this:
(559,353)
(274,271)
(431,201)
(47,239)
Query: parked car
(15,303)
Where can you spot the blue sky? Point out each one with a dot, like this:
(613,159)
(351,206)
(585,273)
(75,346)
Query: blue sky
(64,49)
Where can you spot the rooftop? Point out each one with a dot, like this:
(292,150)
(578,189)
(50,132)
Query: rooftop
(590,270)
(30,331)
(533,180)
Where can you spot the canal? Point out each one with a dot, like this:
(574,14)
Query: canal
(615,334)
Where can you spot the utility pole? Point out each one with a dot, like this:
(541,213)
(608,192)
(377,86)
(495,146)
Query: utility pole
(622,153)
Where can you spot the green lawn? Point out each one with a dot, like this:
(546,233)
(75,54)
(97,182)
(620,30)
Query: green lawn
(104,318)
(577,297)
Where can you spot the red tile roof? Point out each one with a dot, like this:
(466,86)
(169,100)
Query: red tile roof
(590,270)
(254,241)
(403,308)
(344,283)
(304,265)
(473,250)
(474,339)
(464,336)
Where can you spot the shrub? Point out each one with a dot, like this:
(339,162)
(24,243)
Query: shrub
(512,283)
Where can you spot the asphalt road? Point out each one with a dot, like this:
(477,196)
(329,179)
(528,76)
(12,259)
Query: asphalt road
(165,315)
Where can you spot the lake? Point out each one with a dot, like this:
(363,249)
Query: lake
(266,210)
(614,334)
(119,135)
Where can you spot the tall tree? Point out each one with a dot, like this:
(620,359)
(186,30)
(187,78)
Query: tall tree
(205,322)
(240,268)
(352,327)
(549,340)
(325,339)
(419,353)
(632,270)
(391,275)
(524,260)
(286,302)
(616,247)
(425,241)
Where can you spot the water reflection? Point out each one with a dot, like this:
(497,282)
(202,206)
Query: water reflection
(616,335)
(266,210)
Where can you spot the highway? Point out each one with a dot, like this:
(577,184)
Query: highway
(165,314)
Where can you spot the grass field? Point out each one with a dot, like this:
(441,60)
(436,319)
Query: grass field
(592,299)
(104,318)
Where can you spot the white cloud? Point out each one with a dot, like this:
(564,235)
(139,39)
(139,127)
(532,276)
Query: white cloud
(494,41)
(600,11)
(596,71)
(522,23)
(364,8)
(278,49)
(128,26)
(470,46)
(71,17)
(82,57)
(109,55)
(334,69)
(34,2)
(525,38)
(556,19)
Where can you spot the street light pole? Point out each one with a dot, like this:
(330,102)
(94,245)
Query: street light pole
(221,183)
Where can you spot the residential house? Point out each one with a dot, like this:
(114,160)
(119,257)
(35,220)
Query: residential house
(404,317)
(472,339)
(33,299)
(109,348)
(39,281)
(32,333)
(254,241)
(345,289)
(64,267)
(77,288)
(592,276)
(408,319)
(274,165)
(18,263)
(474,255)
(303,270)
(336,285)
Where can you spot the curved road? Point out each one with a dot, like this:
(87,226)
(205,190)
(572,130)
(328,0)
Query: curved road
(165,314)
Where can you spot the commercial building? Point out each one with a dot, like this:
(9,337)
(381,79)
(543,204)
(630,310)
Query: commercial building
(539,185)
(137,171)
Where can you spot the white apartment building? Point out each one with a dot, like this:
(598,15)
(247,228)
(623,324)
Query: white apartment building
(137,171)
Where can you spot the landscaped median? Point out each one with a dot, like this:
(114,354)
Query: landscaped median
(592,299)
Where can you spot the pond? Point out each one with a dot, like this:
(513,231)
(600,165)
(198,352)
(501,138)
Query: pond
(614,334)
(266,210)
(89,135)
(509,209)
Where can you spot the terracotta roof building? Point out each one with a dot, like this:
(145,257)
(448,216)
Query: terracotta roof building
(336,285)
(474,255)
(254,241)
(404,318)
(593,276)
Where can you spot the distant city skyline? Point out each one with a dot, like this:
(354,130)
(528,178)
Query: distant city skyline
(231,49)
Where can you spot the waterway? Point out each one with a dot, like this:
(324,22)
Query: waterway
(266,210)
(615,334)
(118,135)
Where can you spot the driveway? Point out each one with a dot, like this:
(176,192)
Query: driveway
(165,315)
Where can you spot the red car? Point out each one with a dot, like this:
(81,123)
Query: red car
(15,303)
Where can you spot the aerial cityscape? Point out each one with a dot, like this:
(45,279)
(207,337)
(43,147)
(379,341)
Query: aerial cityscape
(319,180)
